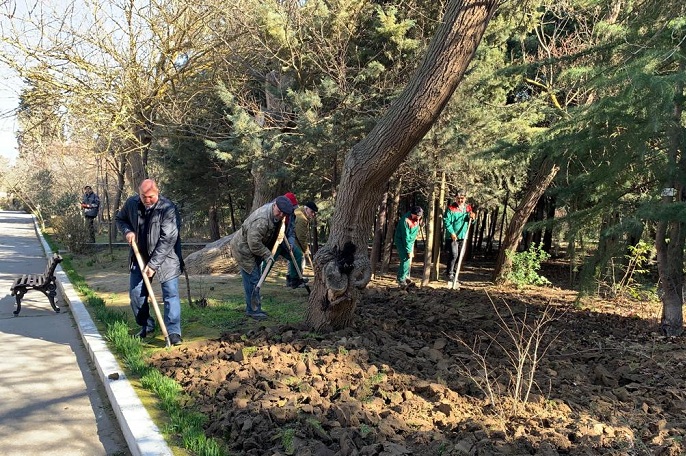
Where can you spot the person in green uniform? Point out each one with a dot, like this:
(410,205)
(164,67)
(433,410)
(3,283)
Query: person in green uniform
(456,221)
(405,234)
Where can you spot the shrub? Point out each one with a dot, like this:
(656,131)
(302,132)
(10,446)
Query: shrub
(71,231)
(525,266)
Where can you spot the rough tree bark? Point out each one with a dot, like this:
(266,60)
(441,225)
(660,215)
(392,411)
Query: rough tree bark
(537,187)
(342,266)
(214,258)
(670,237)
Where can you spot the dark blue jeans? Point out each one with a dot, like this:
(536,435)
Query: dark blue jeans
(250,280)
(170,296)
(452,249)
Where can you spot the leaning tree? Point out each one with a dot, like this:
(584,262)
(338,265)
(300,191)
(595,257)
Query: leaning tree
(342,267)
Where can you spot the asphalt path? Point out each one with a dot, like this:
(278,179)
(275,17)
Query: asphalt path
(61,391)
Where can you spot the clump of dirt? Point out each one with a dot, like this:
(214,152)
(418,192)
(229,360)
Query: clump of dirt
(409,377)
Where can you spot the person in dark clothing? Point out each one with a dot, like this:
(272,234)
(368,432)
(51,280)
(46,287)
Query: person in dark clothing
(153,222)
(90,204)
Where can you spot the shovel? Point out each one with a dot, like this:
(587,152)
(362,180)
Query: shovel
(255,299)
(297,269)
(151,295)
(455,283)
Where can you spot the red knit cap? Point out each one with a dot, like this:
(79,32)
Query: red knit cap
(291,197)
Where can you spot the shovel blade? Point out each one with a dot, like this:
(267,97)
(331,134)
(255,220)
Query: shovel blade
(255,300)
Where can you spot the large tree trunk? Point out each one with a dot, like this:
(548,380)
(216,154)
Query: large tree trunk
(135,169)
(372,161)
(537,187)
(214,258)
(671,234)
(263,192)
(137,156)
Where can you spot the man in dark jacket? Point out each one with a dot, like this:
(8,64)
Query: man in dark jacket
(90,204)
(152,222)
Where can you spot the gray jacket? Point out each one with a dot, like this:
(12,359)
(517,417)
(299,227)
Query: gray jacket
(163,239)
(251,243)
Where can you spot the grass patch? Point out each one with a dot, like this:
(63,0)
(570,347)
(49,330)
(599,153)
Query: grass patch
(101,278)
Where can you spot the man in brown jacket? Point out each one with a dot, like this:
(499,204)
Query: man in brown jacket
(252,244)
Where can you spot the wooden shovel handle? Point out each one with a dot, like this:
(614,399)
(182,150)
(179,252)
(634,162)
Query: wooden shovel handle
(151,295)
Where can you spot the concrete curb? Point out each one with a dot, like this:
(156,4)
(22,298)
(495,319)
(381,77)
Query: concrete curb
(142,435)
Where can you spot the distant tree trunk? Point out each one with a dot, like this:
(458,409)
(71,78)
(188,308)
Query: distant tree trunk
(106,195)
(233,214)
(491,230)
(671,233)
(550,216)
(483,223)
(342,266)
(429,224)
(503,222)
(119,167)
(213,223)
(390,224)
(536,188)
(538,215)
(263,192)
(379,230)
(438,230)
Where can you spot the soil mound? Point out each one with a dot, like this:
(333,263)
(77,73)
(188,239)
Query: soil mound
(444,372)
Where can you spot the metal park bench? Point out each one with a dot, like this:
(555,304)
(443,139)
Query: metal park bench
(45,283)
